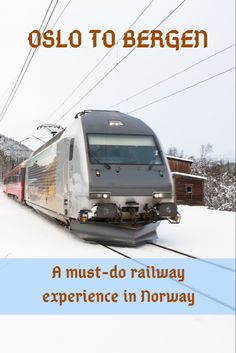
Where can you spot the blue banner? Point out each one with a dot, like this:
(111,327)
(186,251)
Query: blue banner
(117,286)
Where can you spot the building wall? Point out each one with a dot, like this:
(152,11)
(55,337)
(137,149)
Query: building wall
(179,165)
(188,190)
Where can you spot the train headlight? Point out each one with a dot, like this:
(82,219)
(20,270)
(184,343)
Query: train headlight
(105,196)
(99,195)
(115,123)
(157,195)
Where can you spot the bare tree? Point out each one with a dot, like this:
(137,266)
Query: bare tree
(205,150)
(173,151)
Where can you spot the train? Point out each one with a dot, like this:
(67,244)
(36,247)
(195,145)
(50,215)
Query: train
(105,177)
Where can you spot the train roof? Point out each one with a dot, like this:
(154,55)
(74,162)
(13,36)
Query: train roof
(48,143)
(100,121)
(112,121)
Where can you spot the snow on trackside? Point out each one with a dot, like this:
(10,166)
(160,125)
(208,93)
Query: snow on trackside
(202,232)
(26,234)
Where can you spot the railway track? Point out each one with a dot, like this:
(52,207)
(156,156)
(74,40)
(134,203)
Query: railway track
(200,292)
(192,257)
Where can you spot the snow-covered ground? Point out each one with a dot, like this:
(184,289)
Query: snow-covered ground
(202,232)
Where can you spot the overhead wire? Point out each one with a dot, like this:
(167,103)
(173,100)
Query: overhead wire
(6,90)
(115,66)
(53,25)
(171,76)
(38,138)
(181,90)
(55,22)
(27,57)
(98,63)
(26,63)
(60,15)
(147,88)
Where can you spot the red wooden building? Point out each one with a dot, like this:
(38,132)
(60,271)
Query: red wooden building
(188,188)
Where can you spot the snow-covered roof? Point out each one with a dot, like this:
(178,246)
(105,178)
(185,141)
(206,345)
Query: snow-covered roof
(180,159)
(189,175)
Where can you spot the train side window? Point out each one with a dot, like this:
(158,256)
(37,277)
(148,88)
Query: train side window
(189,188)
(71,149)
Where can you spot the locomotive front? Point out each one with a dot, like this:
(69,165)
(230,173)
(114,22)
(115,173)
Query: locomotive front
(130,186)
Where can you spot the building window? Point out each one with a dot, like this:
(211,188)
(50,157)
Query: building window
(189,188)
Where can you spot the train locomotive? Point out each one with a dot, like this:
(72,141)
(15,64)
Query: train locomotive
(105,177)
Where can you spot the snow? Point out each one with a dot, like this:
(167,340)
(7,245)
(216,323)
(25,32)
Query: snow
(189,175)
(26,234)
(13,148)
(202,232)
(180,158)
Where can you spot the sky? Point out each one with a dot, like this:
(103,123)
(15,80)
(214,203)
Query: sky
(203,114)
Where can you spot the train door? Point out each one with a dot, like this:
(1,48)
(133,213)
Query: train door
(63,195)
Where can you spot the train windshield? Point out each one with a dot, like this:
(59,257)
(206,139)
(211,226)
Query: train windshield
(123,149)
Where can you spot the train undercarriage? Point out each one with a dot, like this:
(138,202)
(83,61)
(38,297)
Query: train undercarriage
(108,224)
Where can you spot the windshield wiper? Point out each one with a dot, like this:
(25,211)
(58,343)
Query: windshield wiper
(106,165)
(152,162)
